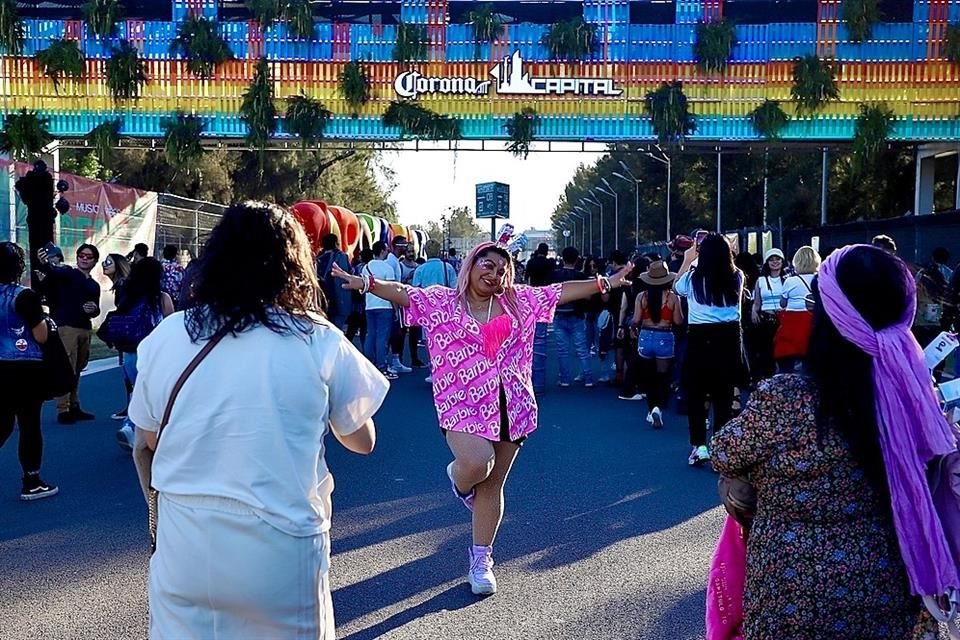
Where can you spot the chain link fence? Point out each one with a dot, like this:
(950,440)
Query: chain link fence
(185,223)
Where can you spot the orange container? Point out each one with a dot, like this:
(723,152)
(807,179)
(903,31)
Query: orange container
(315,222)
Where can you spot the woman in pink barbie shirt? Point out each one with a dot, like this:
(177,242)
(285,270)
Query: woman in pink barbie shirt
(480,338)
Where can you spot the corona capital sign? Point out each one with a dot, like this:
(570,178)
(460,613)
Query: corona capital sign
(509,78)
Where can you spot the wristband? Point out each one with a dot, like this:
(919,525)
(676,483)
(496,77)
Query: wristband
(603,284)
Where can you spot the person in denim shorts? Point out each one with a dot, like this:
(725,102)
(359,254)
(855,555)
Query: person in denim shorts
(656,313)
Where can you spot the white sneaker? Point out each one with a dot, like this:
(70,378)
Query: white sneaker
(399,367)
(125,437)
(656,419)
(650,417)
(703,453)
(636,396)
(481,578)
(428,379)
(698,456)
(693,459)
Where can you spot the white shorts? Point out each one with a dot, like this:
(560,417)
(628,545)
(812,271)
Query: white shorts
(220,571)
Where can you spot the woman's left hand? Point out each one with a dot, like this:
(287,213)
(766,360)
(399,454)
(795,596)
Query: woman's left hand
(619,279)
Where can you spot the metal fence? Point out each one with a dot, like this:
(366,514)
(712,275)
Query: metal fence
(184,222)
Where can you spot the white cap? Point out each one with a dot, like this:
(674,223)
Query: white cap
(773,252)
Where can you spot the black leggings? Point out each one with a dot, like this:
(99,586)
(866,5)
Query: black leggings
(713,365)
(25,412)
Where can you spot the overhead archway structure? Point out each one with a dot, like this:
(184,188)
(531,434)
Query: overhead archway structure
(599,97)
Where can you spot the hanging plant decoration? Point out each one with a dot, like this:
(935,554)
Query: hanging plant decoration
(259,112)
(487,25)
(126,72)
(859,16)
(669,113)
(951,44)
(12,32)
(24,135)
(181,142)
(299,15)
(814,84)
(411,43)
(266,12)
(769,119)
(102,17)
(417,122)
(522,129)
(355,86)
(571,39)
(306,118)
(104,138)
(714,44)
(199,42)
(874,126)
(61,59)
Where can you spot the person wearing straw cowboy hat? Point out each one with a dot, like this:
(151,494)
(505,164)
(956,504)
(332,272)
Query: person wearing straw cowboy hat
(656,313)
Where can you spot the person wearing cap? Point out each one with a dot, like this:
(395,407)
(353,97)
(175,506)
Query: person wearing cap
(656,313)
(765,314)
(678,246)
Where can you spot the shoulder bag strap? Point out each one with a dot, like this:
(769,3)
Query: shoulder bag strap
(197,359)
(809,290)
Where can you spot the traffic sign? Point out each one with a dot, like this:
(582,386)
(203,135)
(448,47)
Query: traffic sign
(493,200)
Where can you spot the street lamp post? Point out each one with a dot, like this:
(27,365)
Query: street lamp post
(583,225)
(588,214)
(665,160)
(616,212)
(595,201)
(636,189)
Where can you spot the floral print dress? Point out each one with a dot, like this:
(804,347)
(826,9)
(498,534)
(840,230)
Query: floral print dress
(822,556)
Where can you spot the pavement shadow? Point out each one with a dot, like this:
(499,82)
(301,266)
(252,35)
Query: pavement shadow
(455,598)
(684,620)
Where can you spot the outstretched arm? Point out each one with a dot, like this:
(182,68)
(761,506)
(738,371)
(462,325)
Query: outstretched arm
(580,289)
(393,292)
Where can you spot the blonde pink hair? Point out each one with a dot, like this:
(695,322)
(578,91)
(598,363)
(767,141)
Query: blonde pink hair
(463,278)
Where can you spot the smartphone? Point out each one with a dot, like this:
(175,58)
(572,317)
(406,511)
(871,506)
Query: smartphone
(700,236)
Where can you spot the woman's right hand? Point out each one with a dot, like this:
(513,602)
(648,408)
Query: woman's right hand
(350,283)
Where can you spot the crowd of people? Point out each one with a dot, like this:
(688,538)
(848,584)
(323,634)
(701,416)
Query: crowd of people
(807,370)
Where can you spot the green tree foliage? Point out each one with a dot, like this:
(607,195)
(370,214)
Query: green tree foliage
(411,42)
(355,86)
(61,59)
(12,33)
(24,134)
(814,84)
(951,44)
(258,110)
(522,129)
(571,39)
(102,17)
(306,118)
(884,189)
(714,44)
(859,16)
(199,41)
(487,25)
(126,72)
(669,113)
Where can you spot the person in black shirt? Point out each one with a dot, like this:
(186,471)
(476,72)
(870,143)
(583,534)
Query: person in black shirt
(74,299)
(23,329)
(568,324)
(539,273)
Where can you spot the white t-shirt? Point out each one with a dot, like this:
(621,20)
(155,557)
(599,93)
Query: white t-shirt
(381,272)
(249,423)
(771,289)
(704,313)
(795,291)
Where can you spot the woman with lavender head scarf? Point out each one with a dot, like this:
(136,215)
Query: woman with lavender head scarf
(846,537)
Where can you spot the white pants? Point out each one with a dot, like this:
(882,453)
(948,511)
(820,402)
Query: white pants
(220,571)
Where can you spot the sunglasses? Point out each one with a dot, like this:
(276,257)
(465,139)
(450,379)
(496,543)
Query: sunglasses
(86,256)
(107,263)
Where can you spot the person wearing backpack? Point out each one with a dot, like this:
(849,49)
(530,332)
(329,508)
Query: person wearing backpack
(846,534)
(145,304)
(339,302)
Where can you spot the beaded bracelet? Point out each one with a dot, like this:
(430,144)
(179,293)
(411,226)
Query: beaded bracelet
(603,284)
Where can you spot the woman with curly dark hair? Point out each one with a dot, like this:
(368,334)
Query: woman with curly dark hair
(23,328)
(242,542)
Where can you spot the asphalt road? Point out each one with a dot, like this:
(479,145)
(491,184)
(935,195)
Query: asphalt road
(607,533)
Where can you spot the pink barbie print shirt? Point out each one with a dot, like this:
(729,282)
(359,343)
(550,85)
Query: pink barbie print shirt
(466,383)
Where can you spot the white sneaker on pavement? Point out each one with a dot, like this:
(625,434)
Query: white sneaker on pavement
(481,578)
(125,437)
(656,418)
(399,367)
(428,379)
(636,396)
(698,456)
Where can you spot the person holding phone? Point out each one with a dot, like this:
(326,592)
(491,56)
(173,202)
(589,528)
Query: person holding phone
(766,311)
(714,361)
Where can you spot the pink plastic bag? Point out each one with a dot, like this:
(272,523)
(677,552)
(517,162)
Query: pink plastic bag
(728,572)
